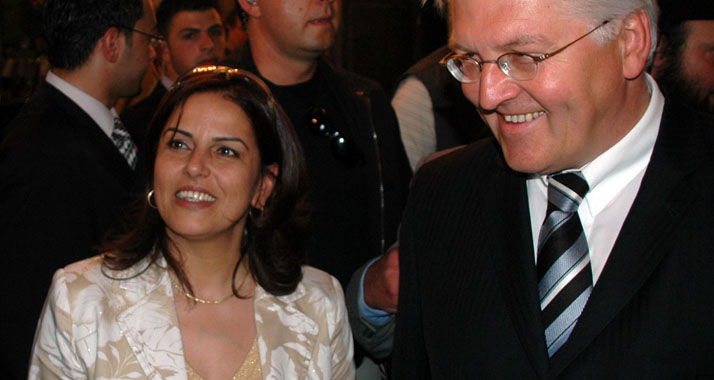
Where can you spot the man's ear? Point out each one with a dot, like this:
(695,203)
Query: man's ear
(636,42)
(112,44)
(251,7)
(266,186)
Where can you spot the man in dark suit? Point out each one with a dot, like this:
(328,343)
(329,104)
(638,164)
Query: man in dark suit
(578,243)
(67,167)
(194,35)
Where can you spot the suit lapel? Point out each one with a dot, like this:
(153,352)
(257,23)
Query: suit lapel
(643,242)
(98,145)
(150,324)
(286,336)
(513,259)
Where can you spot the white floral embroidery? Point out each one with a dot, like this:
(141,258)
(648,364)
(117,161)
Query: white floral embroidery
(125,327)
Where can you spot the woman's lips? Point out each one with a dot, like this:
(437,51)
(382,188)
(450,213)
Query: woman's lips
(195,196)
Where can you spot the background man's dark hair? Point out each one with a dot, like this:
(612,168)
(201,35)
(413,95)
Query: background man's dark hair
(73,27)
(243,16)
(233,16)
(674,36)
(168,9)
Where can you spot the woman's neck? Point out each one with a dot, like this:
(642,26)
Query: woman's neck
(208,265)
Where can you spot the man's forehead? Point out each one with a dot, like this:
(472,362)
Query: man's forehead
(195,18)
(501,38)
(503,25)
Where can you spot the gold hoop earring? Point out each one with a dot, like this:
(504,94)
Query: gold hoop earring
(250,211)
(148,199)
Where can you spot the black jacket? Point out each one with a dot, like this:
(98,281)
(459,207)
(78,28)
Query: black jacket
(365,117)
(64,186)
(468,301)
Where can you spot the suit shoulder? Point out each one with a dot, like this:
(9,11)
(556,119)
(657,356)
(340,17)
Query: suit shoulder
(479,155)
(88,270)
(46,122)
(353,80)
(82,282)
(320,283)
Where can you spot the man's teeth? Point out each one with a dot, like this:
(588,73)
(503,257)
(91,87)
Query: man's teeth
(522,117)
(195,196)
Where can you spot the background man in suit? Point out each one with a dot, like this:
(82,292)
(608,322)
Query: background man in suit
(67,167)
(684,63)
(509,267)
(194,35)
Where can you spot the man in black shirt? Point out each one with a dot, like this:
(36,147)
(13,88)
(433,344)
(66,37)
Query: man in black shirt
(358,170)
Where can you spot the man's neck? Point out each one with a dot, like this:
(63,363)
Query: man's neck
(279,68)
(85,80)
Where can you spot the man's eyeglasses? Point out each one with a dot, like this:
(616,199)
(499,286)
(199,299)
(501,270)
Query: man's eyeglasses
(153,38)
(466,68)
(344,150)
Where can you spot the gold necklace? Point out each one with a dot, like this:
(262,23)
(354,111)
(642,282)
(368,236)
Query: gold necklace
(201,300)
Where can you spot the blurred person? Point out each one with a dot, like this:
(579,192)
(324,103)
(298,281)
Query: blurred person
(578,242)
(357,170)
(432,111)
(194,35)
(235,32)
(68,164)
(210,282)
(356,166)
(684,62)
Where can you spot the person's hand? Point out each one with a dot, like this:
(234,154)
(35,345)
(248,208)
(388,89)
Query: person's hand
(381,283)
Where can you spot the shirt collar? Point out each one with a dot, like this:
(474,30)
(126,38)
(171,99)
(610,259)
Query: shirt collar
(612,170)
(166,82)
(103,116)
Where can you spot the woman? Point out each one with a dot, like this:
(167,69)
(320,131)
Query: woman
(210,283)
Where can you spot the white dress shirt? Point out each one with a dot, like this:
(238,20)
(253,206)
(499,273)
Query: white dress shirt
(103,116)
(614,178)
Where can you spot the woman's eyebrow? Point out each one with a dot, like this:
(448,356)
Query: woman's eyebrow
(237,139)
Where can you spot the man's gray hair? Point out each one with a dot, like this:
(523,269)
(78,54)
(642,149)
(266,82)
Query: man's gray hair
(598,11)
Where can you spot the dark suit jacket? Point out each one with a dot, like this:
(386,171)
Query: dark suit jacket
(137,117)
(468,304)
(64,185)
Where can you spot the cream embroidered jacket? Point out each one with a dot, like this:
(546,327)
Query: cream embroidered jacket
(96,327)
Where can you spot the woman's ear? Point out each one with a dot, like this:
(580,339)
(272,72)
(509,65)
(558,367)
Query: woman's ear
(265,186)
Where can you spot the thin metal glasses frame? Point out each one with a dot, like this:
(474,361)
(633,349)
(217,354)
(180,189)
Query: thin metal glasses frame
(455,62)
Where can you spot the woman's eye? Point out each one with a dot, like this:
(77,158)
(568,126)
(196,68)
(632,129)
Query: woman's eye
(227,152)
(177,144)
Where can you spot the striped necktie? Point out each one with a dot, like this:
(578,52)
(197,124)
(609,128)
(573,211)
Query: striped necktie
(564,273)
(123,142)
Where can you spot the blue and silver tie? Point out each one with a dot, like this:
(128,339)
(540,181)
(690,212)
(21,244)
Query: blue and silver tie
(563,264)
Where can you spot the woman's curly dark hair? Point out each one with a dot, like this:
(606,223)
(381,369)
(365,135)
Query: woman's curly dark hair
(273,241)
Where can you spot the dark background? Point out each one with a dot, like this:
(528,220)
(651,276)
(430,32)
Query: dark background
(379,39)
